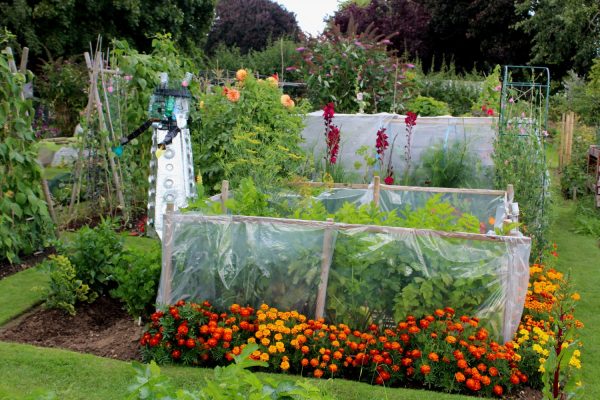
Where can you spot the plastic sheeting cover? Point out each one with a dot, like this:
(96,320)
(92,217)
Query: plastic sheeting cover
(379,274)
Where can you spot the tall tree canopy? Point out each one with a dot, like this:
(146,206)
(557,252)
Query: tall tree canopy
(566,33)
(251,24)
(55,28)
(469,32)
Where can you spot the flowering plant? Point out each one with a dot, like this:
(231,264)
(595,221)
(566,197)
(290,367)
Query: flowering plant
(332,135)
(410,121)
(548,333)
(440,350)
(248,129)
(354,71)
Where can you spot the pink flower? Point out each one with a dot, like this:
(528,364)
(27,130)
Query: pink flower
(497,88)
(410,66)
(128,77)
(110,89)
(300,49)
(511,100)
(490,111)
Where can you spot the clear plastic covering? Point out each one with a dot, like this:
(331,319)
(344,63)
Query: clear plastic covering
(354,274)
(482,204)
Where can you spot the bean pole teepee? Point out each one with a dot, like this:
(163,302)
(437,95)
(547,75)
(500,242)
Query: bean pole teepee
(97,168)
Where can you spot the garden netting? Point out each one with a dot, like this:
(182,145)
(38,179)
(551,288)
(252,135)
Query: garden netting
(360,130)
(366,273)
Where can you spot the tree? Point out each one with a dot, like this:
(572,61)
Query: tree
(53,29)
(250,24)
(565,33)
(468,32)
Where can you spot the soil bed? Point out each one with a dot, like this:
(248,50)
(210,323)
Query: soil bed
(7,269)
(102,328)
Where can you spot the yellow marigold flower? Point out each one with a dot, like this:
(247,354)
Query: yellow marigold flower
(261,317)
(256,353)
(241,75)
(537,348)
(272,349)
(542,369)
(517,357)
(575,296)
(264,307)
(577,353)
(284,365)
(564,345)
(278,336)
(262,327)
(266,332)
(575,362)
(264,357)
(251,340)
(279,345)
(335,343)
(265,341)
(201,104)
(258,334)
(279,322)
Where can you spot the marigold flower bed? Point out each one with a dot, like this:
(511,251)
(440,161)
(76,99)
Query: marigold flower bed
(441,351)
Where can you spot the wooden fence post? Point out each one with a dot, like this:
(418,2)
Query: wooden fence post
(224,195)
(326,259)
(376,190)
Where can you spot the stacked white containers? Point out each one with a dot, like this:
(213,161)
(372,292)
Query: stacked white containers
(172,172)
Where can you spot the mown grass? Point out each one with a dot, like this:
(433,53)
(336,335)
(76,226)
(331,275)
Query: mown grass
(20,292)
(27,371)
(581,255)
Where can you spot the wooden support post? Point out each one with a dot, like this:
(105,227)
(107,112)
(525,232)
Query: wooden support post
(24,57)
(50,203)
(570,127)
(326,259)
(510,193)
(224,195)
(167,256)
(376,190)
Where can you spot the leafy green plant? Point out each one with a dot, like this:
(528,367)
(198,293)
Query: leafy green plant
(25,224)
(450,165)
(488,103)
(65,290)
(369,160)
(60,87)
(234,381)
(355,72)
(248,130)
(137,275)
(95,253)
(428,106)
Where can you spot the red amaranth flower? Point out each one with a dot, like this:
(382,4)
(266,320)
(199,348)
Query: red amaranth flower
(381,143)
(411,119)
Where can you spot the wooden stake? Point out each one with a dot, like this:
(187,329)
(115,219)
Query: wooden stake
(376,189)
(326,259)
(224,195)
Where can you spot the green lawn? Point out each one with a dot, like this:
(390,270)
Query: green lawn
(20,292)
(28,370)
(581,255)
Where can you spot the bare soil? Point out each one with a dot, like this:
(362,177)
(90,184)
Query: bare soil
(102,328)
(8,269)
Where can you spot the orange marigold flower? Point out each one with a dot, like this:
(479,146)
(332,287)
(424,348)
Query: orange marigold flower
(304,362)
(314,362)
(233,95)
(450,339)
(460,377)
(425,369)
(318,373)
(462,364)
(333,368)
(576,296)
(439,312)
(433,357)
(241,75)
(284,365)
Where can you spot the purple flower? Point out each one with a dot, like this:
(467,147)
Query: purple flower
(300,49)
(410,65)
(385,41)
(291,69)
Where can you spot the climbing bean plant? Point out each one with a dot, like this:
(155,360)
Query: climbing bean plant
(25,225)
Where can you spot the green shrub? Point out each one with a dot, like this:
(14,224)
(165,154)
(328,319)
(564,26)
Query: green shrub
(65,289)
(428,107)
(247,131)
(137,277)
(450,165)
(95,253)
